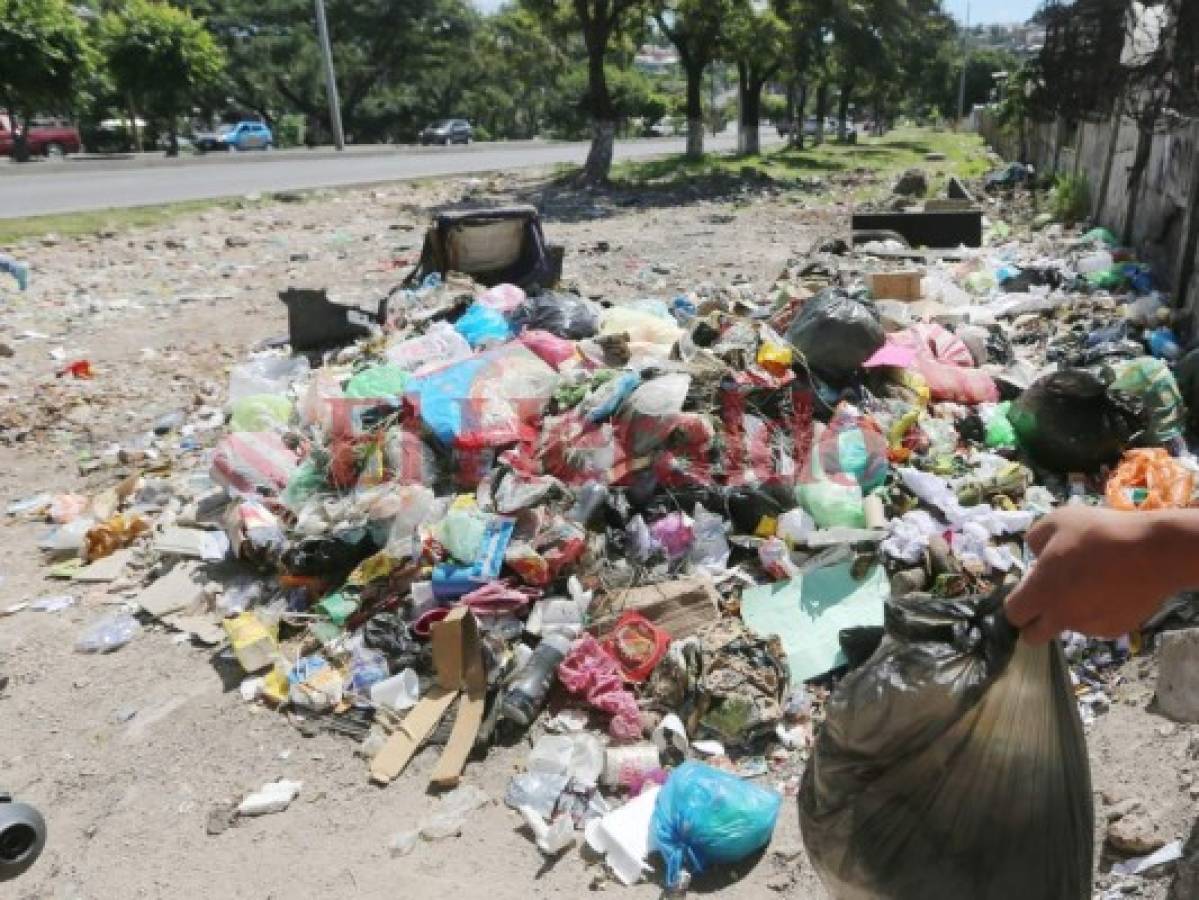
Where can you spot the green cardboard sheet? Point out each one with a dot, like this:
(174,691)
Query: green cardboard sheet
(808,612)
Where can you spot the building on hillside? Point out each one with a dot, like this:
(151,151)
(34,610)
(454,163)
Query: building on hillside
(657,60)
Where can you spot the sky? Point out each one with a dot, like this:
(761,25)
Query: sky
(980,10)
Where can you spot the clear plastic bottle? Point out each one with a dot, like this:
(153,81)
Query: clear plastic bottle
(526,695)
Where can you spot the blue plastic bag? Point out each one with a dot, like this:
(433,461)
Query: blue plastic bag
(490,400)
(704,816)
(481,324)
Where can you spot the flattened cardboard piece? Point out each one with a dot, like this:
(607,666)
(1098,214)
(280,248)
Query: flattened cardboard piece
(411,733)
(177,591)
(199,628)
(680,607)
(195,543)
(462,739)
(458,661)
(103,570)
(447,650)
(473,680)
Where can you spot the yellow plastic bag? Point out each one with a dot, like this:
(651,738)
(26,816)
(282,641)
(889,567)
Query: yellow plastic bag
(775,357)
(253,643)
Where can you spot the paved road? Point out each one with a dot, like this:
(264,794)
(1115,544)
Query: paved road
(78,185)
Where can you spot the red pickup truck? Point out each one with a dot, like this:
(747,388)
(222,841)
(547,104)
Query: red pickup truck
(45,138)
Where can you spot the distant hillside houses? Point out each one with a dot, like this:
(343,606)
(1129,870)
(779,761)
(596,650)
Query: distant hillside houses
(656,60)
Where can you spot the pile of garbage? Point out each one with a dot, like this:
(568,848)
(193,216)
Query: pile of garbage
(655,535)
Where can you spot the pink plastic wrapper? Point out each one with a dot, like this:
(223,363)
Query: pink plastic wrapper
(552,349)
(591,673)
(503,298)
(943,345)
(674,534)
(945,362)
(956,384)
(253,462)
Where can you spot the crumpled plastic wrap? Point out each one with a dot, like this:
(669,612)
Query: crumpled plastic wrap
(591,673)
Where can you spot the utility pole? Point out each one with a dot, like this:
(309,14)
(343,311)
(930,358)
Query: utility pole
(965,63)
(322,28)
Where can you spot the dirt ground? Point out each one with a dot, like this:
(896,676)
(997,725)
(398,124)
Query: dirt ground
(127,753)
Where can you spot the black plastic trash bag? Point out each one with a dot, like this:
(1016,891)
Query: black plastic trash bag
(1071,422)
(836,333)
(951,766)
(563,315)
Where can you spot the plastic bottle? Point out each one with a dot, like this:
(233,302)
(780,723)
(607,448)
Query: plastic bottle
(526,696)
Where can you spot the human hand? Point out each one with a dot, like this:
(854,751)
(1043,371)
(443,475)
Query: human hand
(1100,572)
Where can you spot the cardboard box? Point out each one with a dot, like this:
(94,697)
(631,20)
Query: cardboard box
(903,286)
(679,607)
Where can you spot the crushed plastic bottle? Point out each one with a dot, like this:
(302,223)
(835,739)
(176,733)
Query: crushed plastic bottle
(447,820)
(112,632)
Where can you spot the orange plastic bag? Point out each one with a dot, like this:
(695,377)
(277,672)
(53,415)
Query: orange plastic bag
(1150,479)
(106,538)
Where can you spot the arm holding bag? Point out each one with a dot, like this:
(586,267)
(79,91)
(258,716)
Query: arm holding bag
(952,765)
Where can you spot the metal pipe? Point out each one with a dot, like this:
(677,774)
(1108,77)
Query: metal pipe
(22,837)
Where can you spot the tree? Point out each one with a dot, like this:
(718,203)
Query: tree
(804,42)
(517,60)
(694,27)
(858,30)
(162,58)
(600,21)
(45,58)
(400,63)
(756,38)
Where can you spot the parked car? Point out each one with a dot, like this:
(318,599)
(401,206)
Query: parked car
(46,137)
(448,131)
(185,143)
(242,136)
(670,126)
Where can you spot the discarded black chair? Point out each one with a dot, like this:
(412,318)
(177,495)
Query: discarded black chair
(493,246)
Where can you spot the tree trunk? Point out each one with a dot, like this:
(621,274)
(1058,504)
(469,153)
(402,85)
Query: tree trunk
(134,131)
(797,136)
(20,136)
(843,110)
(712,111)
(821,111)
(599,158)
(603,116)
(792,92)
(173,148)
(749,89)
(695,111)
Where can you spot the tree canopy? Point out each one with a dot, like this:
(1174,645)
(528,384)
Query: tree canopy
(45,58)
(161,57)
(557,67)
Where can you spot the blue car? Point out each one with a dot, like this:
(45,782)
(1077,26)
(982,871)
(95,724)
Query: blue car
(242,136)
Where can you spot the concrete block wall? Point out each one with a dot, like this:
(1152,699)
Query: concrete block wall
(1160,205)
